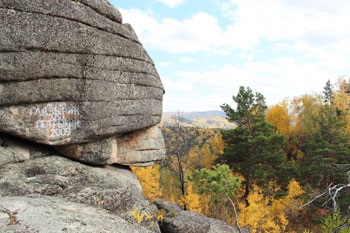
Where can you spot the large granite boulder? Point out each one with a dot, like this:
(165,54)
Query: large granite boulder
(140,148)
(72,72)
(74,77)
(33,214)
(35,171)
(43,192)
(177,220)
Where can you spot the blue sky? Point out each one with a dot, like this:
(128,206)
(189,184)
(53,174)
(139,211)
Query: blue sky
(204,50)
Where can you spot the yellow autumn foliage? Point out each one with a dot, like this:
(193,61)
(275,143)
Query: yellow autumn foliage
(279,117)
(170,184)
(289,204)
(140,216)
(258,216)
(149,178)
(192,200)
(341,100)
(270,215)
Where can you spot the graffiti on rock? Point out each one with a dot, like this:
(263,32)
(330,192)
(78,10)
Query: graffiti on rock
(58,118)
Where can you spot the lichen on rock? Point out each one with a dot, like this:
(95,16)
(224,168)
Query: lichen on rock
(81,99)
(59,62)
(45,175)
(72,73)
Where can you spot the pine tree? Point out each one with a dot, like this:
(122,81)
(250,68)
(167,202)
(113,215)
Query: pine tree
(220,185)
(327,145)
(253,148)
(328,93)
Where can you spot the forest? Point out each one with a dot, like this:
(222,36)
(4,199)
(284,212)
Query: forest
(283,168)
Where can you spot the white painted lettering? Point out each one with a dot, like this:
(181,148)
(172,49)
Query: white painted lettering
(58,117)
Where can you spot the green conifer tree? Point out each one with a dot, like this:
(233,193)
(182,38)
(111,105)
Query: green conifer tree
(253,148)
(326,149)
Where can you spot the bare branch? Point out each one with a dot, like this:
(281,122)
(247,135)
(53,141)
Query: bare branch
(315,198)
(333,193)
(235,210)
(342,165)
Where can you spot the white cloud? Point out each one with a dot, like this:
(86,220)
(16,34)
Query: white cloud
(172,3)
(310,38)
(314,22)
(141,21)
(200,32)
(179,86)
(275,79)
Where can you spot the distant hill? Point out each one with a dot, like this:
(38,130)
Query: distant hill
(207,119)
(195,115)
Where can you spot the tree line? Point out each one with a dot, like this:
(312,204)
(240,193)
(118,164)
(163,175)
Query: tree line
(284,168)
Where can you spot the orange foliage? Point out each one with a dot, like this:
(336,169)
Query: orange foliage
(261,216)
(278,116)
(192,200)
(149,178)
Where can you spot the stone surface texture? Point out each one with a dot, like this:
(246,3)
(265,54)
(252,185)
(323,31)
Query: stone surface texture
(76,81)
(12,152)
(43,192)
(53,214)
(180,221)
(113,189)
(140,148)
(72,72)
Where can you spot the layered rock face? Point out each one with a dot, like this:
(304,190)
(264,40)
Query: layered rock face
(140,148)
(43,192)
(76,81)
(71,72)
(74,77)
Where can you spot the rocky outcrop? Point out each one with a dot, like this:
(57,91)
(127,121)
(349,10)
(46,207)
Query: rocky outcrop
(43,192)
(76,80)
(11,151)
(112,191)
(180,221)
(140,148)
(71,72)
(32,214)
